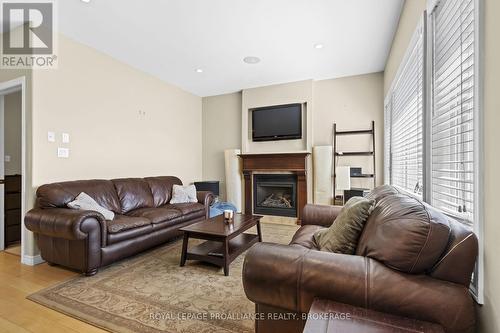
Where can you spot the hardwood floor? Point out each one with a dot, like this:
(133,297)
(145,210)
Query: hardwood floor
(15,249)
(17,314)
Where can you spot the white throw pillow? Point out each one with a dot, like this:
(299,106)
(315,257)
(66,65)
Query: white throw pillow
(183,194)
(84,202)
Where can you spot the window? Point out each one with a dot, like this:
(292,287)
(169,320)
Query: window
(404,111)
(452,134)
(433,119)
(454,115)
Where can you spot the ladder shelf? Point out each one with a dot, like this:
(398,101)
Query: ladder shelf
(339,154)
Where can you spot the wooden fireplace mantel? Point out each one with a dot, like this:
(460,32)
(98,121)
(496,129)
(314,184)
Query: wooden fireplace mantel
(295,163)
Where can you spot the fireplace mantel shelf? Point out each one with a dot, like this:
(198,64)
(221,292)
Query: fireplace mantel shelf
(284,162)
(275,161)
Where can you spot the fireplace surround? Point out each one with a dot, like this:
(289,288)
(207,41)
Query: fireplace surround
(273,164)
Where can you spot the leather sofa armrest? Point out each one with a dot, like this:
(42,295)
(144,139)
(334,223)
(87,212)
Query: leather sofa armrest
(206,198)
(322,215)
(290,278)
(70,224)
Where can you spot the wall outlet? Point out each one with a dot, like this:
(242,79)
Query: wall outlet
(7,158)
(65,138)
(63,152)
(51,136)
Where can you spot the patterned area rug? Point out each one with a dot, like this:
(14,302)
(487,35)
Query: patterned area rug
(151,293)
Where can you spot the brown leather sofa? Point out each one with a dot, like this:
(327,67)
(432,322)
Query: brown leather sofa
(85,241)
(411,261)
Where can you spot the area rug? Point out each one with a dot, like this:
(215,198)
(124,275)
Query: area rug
(151,293)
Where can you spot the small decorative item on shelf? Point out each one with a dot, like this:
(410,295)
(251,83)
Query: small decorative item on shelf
(228,216)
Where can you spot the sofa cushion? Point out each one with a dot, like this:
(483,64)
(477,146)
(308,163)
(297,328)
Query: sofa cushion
(304,237)
(58,195)
(129,234)
(156,215)
(343,235)
(161,188)
(381,192)
(172,223)
(134,193)
(187,208)
(457,262)
(405,234)
(123,223)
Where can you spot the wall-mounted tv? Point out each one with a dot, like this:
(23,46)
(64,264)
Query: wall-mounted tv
(280,122)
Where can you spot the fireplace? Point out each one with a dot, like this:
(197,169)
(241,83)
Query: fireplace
(291,165)
(275,194)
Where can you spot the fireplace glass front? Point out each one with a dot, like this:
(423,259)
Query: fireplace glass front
(275,194)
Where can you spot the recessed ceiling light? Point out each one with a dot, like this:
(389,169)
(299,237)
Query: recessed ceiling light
(251,60)
(86,1)
(199,70)
(318,46)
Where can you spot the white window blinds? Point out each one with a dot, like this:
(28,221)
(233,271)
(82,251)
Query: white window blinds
(433,117)
(452,132)
(406,109)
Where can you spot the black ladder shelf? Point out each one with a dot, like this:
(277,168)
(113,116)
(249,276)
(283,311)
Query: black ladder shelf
(337,154)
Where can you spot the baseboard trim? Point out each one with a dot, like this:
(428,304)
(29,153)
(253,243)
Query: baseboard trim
(32,260)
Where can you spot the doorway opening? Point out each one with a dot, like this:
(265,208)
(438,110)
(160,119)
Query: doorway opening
(12,166)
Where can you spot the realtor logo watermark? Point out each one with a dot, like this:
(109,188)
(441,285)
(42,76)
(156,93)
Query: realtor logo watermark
(28,34)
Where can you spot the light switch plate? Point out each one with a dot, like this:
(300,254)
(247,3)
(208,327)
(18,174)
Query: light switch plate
(51,136)
(63,152)
(65,138)
(7,158)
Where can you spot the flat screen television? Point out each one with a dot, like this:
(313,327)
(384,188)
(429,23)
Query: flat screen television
(281,122)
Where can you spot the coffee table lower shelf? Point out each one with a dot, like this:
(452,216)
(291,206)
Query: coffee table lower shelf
(214,251)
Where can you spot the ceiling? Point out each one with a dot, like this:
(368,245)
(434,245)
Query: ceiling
(171,39)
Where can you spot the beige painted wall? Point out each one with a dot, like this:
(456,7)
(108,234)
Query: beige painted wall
(221,131)
(489,319)
(351,102)
(410,16)
(98,101)
(12,133)
(279,94)
(489,314)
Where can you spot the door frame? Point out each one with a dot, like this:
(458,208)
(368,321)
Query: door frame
(8,87)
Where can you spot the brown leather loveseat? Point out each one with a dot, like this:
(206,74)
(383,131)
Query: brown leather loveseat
(85,241)
(410,261)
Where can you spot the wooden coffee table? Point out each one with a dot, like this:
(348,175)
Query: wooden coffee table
(224,241)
